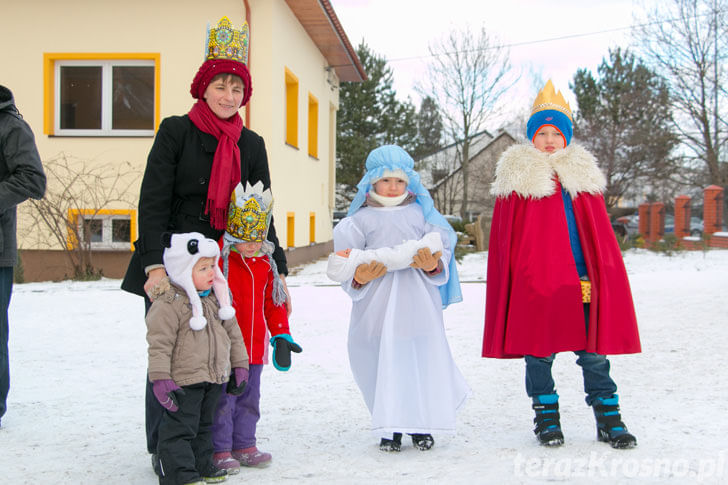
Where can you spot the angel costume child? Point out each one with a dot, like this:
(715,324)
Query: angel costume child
(556,279)
(397,345)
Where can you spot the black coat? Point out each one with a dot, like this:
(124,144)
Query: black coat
(21,173)
(174,191)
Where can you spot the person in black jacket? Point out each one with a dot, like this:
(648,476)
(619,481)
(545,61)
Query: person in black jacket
(21,176)
(195,162)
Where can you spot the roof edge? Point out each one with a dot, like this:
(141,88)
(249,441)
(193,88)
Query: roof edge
(343,38)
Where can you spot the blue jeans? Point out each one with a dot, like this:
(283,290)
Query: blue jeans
(595,368)
(6,287)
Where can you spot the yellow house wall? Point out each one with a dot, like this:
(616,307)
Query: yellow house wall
(301,183)
(176,31)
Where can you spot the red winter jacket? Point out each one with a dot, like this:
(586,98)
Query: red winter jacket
(251,283)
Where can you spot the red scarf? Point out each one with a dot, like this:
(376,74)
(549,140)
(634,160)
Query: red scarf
(225,173)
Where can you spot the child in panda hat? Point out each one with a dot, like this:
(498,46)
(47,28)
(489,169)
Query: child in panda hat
(195,346)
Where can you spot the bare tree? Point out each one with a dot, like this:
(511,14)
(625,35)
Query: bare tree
(77,193)
(446,179)
(686,41)
(467,76)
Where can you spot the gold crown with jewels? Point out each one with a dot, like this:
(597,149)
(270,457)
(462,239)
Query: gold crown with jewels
(224,42)
(548,98)
(250,212)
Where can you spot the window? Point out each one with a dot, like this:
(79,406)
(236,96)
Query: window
(104,229)
(312,126)
(311,227)
(291,109)
(290,226)
(87,96)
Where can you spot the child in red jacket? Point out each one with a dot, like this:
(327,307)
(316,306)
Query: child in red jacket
(259,301)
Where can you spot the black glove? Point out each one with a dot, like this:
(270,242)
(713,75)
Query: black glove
(283,345)
(237,382)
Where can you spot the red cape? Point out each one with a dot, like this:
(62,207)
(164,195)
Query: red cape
(533,296)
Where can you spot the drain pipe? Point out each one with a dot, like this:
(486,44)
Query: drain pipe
(250,43)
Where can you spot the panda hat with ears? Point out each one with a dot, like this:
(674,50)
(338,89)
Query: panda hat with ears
(181,253)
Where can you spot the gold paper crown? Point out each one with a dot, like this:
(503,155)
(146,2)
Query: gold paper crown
(548,98)
(224,42)
(250,212)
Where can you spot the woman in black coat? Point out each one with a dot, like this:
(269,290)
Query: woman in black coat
(174,191)
(195,162)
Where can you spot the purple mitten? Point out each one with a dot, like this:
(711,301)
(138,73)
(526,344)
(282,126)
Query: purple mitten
(237,382)
(165,390)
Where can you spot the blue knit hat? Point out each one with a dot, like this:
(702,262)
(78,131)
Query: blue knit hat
(550,109)
(550,117)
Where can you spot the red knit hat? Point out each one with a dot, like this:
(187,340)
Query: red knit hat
(226,53)
(209,69)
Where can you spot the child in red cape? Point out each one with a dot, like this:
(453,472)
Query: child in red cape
(556,279)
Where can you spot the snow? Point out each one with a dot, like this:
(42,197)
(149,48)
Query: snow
(78,358)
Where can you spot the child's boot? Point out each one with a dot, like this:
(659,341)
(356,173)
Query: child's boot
(610,427)
(548,427)
(213,474)
(423,442)
(252,457)
(225,461)
(395,444)
(155,465)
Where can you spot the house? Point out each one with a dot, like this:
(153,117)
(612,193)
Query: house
(94,79)
(441,173)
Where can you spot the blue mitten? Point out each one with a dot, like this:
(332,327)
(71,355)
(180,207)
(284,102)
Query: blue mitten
(283,345)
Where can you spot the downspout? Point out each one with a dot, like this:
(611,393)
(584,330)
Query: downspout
(250,43)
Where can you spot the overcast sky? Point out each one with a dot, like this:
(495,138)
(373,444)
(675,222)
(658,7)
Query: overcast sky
(401,30)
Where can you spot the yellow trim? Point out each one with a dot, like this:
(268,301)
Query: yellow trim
(313,116)
(290,228)
(312,227)
(291,108)
(73,214)
(50,58)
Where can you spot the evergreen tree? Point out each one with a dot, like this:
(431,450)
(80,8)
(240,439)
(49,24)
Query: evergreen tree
(624,120)
(369,116)
(429,128)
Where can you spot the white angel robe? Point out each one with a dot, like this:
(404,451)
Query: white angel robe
(398,350)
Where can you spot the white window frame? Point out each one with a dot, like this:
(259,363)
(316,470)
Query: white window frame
(106,230)
(106,97)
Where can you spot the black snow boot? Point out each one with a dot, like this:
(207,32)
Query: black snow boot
(610,427)
(423,442)
(547,420)
(395,444)
(213,474)
(155,465)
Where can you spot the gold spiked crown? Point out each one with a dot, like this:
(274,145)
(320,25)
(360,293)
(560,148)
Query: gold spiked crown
(249,213)
(548,98)
(224,42)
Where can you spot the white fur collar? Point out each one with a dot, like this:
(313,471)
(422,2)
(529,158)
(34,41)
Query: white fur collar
(530,172)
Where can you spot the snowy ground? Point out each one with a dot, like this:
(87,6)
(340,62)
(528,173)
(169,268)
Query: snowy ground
(78,358)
